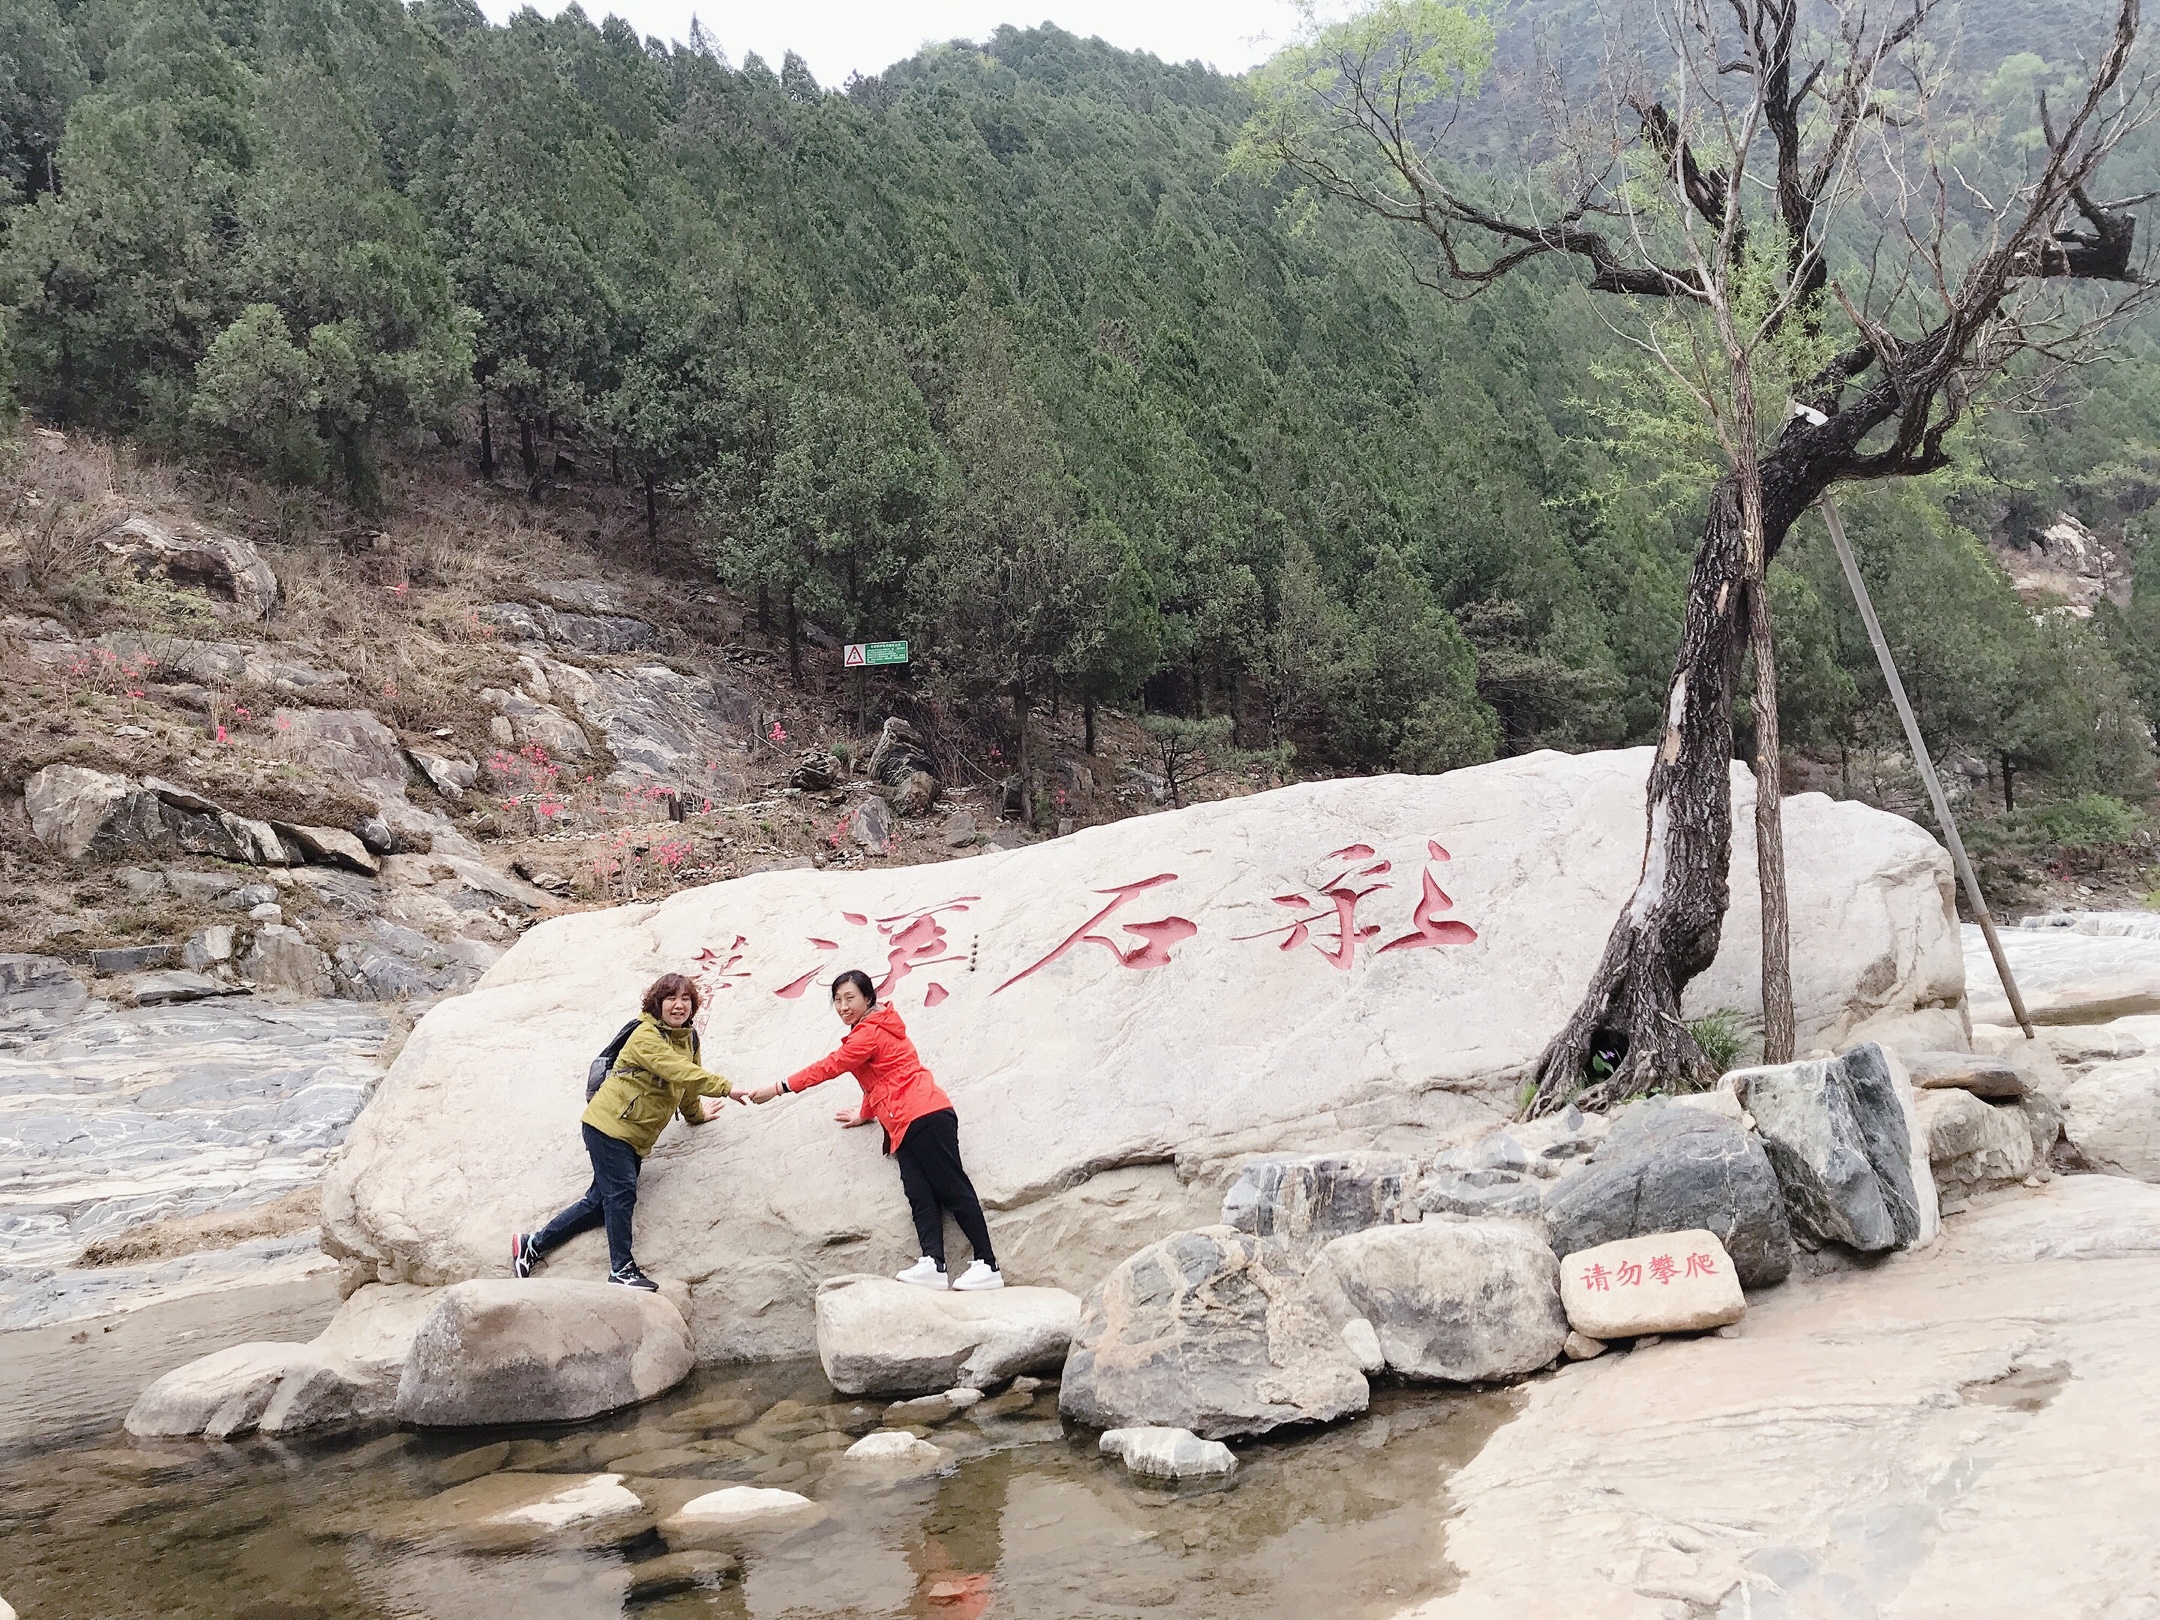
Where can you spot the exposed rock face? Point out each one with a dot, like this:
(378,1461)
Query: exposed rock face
(1467,1301)
(1511,1193)
(37,992)
(1667,1168)
(901,763)
(870,825)
(880,1337)
(504,1351)
(1213,1331)
(1974,1146)
(2072,975)
(451,775)
(665,729)
(224,565)
(1151,946)
(281,959)
(588,632)
(1168,1453)
(1312,1197)
(815,771)
(1942,1434)
(1841,1138)
(333,846)
(68,804)
(1665,1282)
(219,1397)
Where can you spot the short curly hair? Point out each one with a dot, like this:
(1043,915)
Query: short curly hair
(673,984)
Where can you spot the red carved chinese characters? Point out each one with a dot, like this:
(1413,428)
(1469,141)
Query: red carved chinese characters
(1347,889)
(1701,1265)
(1630,1273)
(1597,1279)
(1156,938)
(912,939)
(1662,1267)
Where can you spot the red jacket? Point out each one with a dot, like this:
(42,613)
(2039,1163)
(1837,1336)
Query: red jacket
(897,1089)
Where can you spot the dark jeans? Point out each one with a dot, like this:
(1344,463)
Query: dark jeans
(608,1202)
(935,1182)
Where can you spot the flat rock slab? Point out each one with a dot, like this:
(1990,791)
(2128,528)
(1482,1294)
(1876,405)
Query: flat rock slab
(1156,1453)
(2066,975)
(1666,1282)
(1214,1331)
(509,1510)
(1466,1301)
(540,1351)
(1939,1435)
(1100,1103)
(1665,1167)
(876,1336)
(1978,1073)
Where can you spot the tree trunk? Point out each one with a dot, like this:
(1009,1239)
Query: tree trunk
(1027,778)
(764,609)
(652,512)
(1779,1033)
(794,641)
(2009,801)
(487,442)
(1669,929)
(526,453)
(1087,721)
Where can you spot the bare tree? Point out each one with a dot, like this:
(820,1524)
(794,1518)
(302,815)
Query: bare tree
(1775,210)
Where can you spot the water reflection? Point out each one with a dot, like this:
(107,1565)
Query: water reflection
(1026,1523)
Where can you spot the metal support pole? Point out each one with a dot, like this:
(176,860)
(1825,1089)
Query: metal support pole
(1927,765)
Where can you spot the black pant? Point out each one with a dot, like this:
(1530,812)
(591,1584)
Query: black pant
(935,1182)
(608,1202)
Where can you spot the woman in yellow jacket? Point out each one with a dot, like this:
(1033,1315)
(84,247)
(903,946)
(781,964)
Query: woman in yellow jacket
(656,1075)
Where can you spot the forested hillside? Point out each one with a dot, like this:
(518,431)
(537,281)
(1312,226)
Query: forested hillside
(998,352)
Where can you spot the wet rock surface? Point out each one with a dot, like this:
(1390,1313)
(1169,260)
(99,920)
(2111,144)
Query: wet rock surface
(113,1116)
(510,1351)
(1663,1167)
(1214,1331)
(1168,1453)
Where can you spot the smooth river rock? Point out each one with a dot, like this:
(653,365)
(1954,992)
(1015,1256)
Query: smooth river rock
(1214,1331)
(1843,1137)
(1115,1017)
(1665,1282)
(727,1516)
(1158,1453)
(221,1396)
(540,1351)
(1666,1167)
(1467,1301)
(876,1336)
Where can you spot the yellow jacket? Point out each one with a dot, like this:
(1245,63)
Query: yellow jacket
(654,1076)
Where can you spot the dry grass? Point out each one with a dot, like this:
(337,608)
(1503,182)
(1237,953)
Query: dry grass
(297,1211)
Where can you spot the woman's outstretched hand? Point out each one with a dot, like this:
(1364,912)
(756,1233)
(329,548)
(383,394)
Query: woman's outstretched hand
(849,1119)
(763,1094)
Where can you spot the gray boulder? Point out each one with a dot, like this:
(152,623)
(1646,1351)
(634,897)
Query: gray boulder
(1974,1146)
(130,958)
(870,825)
(497,1350)
(1482,1192)
(169,989)
(332,846)
(876,1336)
(281,959)
(901,763)
(1467,1301)
(1664,1167)
(222,565)
(1157,1453)
(68,804)
(37,992)
(815,771)
(1213,1331)
(1312,1197)
(1837,1135)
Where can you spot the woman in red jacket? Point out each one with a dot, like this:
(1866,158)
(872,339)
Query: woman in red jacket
(922,1133)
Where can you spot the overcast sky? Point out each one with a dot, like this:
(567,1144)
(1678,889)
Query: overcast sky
(839,37)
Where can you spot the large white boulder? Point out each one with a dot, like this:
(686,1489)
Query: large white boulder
(1468,1301)
(221,1396)
(876,1336)
(503,1351)
(1120,1016)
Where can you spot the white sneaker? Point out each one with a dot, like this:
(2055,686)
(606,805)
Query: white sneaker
(980,1276)
(924,1273)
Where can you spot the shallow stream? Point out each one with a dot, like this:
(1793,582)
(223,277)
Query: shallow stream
(1028,1522)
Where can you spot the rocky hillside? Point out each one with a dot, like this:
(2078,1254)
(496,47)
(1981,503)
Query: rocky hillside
(248,742)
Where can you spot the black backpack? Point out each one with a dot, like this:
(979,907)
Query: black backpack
(604,1064)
